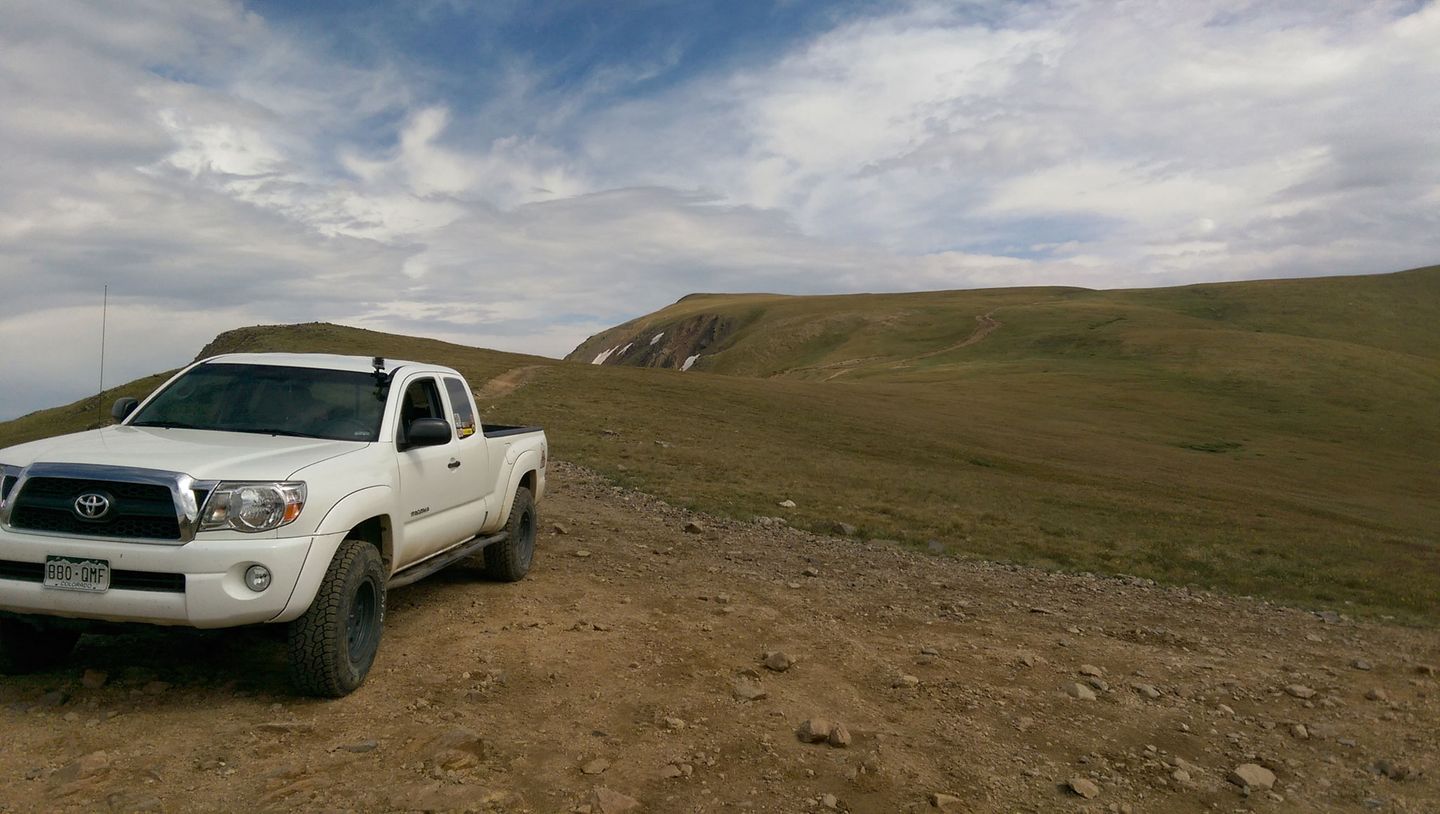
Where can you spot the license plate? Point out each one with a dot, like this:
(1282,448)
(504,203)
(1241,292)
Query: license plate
(77,574)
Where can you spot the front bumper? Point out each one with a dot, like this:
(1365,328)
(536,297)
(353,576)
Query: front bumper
(213,593)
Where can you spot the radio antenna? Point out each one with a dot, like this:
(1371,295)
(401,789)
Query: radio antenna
(100,397)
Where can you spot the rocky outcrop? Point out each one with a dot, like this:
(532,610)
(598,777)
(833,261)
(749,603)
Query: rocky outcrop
(680,344)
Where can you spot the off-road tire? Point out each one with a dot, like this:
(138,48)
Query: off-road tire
(509,561)
(32,648)
(334,643)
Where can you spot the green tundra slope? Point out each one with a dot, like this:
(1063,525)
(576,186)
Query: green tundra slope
(1278,438)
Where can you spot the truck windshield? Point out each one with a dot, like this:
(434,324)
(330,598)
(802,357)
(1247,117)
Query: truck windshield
(271,400)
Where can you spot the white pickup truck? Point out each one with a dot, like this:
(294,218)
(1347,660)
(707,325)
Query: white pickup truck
(262,488)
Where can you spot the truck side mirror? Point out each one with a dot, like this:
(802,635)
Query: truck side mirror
(427,432)
(123,407)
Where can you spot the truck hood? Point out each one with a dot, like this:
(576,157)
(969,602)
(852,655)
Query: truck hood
(202,454)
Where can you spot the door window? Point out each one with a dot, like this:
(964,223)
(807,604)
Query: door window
(422,400)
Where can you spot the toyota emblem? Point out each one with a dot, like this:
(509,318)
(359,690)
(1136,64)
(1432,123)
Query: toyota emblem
(92,506)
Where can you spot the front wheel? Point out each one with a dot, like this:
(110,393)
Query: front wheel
(509,561)
(32,648)
(334,643)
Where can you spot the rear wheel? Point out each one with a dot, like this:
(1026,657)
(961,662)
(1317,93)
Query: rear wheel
(30,647)
(333,645)
(509,561)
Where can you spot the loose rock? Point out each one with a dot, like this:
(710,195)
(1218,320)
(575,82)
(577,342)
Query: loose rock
(1083,787)
(94,679)
(786,504)
(1077,690)
(1148,691)
(596,766)
(778,660)
(839,736)
(1252,776)
(814,730)
(844,529)
(747,690)
(605,801)
(694,528)
(1300,691)
(83,767)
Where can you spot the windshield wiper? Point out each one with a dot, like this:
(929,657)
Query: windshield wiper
(169,425)
(272,431)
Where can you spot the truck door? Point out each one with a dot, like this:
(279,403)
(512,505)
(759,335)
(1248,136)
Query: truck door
(442,503)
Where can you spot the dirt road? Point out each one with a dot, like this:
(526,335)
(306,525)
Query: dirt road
(627,668)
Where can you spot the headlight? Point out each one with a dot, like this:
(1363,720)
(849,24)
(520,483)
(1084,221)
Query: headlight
(8,476)
(252,507)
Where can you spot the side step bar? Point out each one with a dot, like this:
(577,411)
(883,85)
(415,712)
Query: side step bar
(425,568)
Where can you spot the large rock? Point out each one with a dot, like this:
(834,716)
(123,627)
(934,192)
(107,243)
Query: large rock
(1083,787)
(747,690)
(1252,776)
(778,660)
(81,768)
(814,730)
(1077,690)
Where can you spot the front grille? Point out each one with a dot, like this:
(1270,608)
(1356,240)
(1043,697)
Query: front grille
(156,581)
(141,511)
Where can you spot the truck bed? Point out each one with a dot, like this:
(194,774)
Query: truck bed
(503,430)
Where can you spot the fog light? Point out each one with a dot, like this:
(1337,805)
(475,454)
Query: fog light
(257,578)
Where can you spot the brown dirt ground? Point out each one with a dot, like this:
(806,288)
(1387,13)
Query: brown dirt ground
(589,656)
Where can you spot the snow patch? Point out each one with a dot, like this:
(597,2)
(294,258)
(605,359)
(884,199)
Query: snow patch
(601,357)
(628,346)
(656,337)
(689,361)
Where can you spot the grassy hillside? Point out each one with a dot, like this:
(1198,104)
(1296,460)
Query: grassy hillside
(1277,438)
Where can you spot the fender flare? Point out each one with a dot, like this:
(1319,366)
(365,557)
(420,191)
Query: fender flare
(355,508)
(527,462)
(347,513)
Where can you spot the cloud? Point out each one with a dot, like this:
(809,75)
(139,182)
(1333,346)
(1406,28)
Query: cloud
(218,166)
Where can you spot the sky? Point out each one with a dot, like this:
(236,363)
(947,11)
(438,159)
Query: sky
(521,175)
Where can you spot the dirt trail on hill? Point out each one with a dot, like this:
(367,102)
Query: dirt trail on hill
(627,668)
(986,325)
(505,384)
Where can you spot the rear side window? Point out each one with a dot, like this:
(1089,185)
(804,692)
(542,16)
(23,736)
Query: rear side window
(460,403)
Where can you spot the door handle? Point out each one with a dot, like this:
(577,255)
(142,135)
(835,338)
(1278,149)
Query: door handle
(454,464)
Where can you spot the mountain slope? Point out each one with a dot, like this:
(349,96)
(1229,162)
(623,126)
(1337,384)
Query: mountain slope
(892,335)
